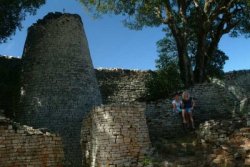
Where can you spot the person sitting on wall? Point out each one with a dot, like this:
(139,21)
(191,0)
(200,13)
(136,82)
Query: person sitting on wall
(177,104)
(187,108)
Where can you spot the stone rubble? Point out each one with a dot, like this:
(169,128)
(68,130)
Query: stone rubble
(228,140)
(24,146)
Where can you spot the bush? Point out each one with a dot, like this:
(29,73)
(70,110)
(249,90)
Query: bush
(165,81)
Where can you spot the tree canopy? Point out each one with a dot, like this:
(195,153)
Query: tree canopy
(203,21)
(12,12)
(167,48)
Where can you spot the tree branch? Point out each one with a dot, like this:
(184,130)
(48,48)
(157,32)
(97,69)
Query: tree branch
(229,27)
(207,6)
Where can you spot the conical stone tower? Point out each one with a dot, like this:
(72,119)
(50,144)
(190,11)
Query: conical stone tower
(58,80)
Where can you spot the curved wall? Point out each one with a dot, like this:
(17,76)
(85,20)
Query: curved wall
(58,80)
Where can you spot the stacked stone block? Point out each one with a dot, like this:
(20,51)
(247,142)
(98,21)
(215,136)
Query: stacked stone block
(239,83)
(58,80)
(119,85)
(25,146)
(115,135)
(226,141)
(218,131)
(214,101)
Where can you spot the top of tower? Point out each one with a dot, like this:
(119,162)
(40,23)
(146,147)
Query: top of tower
(56,15)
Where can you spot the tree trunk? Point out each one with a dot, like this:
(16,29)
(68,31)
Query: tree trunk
(185,64)
(200,56)
(180,36)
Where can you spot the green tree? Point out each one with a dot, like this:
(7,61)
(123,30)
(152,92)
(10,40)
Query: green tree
(166,79)
(12,12)
(167,48)
(205,20)
(216,64)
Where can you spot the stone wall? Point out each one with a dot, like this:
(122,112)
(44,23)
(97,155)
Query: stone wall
(118,85)
(58,80)
(25,146)
(238,82)
(218,131)
(211,100)
(115,135)
(10,69)
(216,100)
(226,142)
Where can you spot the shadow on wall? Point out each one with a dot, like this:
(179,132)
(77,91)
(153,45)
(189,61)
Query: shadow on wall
(121,86)
(10,69)
(108,83)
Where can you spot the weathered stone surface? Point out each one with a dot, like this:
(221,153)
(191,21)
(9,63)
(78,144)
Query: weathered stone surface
(25,146)
(115,135)
(54,89)
(218,131)
(120,85)
(230,142)
(216,100)
(211,102)
(58,80)
(238,82)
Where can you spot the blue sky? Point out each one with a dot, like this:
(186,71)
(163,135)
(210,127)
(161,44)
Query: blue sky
(114,46)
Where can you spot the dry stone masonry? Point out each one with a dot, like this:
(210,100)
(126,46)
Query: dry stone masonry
(58,87)
(25,146)
(58,80)
(212,102)
(228,141)
(121,85)
(218,131)
(115,136)
(216,100)
(239,83)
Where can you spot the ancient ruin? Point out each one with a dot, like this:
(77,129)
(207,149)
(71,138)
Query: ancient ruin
(97,117)
(25,146)
(58,83)
(115,134)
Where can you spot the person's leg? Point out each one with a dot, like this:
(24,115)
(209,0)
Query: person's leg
(183,116)
(187,118)
(191,118)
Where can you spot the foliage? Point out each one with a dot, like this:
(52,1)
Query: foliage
(216,64)
(166,80)
(146,161)
(204,22)
(12,12)
(168,47)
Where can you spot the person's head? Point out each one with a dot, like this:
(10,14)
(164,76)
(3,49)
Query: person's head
(176,96)
(185,95)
